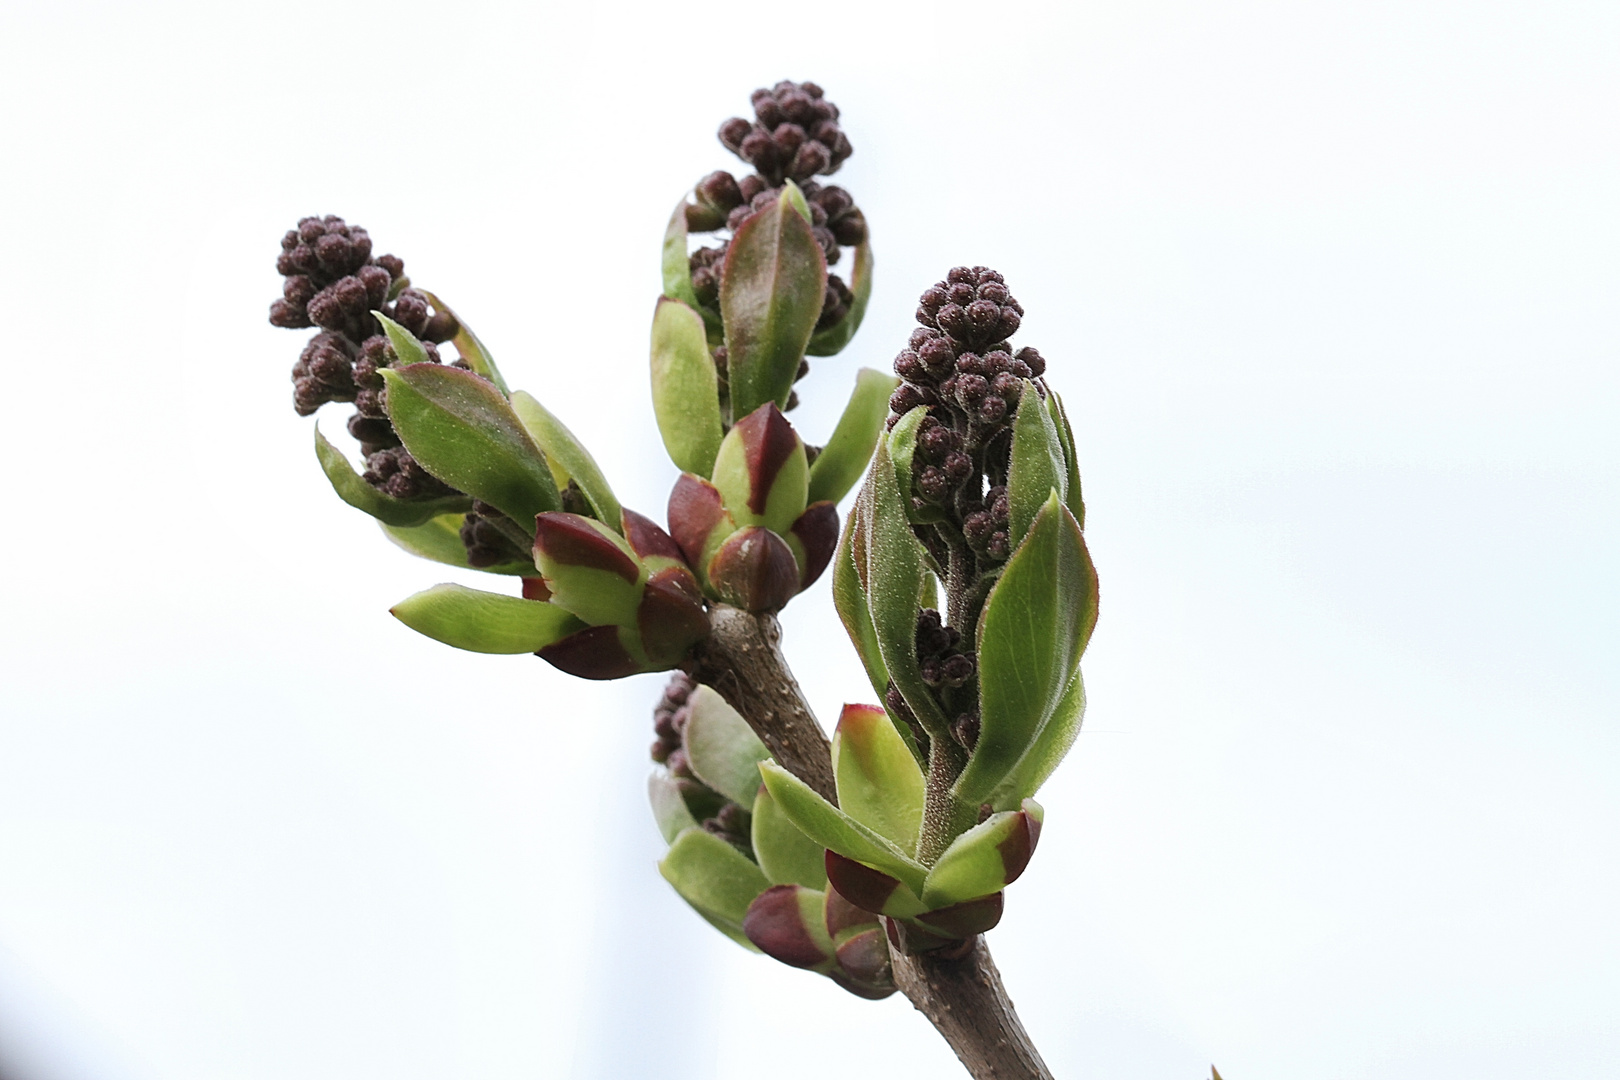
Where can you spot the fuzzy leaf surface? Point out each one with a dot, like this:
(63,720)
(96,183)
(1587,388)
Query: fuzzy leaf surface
(833,829)
(724,751)
(787,856)
(879,783)
(685,388)
(566,454)
(832,339)
(719,881)
(845,457)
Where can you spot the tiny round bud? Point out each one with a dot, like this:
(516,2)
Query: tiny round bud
(971,389)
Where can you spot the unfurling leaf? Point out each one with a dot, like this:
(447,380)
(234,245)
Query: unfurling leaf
(460,428)
(771,290)
(685,387)
(879,783)
(1037,465)
(787,856)
(844,458)
(352,488)
(468,347)
(830,827)
(483,621)
(1034,627)
(565,454)
(719,881)
(985,859)
(723,750)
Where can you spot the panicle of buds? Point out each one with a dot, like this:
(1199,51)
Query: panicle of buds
(713,811)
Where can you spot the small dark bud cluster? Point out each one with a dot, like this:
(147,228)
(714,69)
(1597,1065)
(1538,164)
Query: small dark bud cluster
(961,366)
(332,282)
(712,810)
(947,666)
(794,136)
(491,538)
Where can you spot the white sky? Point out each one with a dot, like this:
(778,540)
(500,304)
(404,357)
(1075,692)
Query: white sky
(1330,289)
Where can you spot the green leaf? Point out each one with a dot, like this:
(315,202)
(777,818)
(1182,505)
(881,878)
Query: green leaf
(849,594)
(879,783)
(844,458)
(468,347)
(460,429)
(485,622)
(685,388)
(1047,751)
(832,339)
(1037,465)
(975,864)
(677,260)
(771,290)
(406,345)
(440,540)
(352,488)
(669,808)
(787,856)
(716,879)
(761,471)
(830,827)
(566,453)
(1071,497)
(1029,638)
(724,751)
(894,574)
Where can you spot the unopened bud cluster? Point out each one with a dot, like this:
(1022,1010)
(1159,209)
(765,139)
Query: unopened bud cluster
(794,136)
(712,810)
(960,365)
(332,282)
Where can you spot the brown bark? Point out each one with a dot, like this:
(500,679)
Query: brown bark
(963,998)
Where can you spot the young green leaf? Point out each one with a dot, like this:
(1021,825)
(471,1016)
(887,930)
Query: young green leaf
(879,783)
(685,388)
(669,808)
(1060,418)
(1047,751)
(830,827)
(566,453)
(460,429)
(1037,464)
(849,594)
(676,262)
(468,347)
(985,859)
(761,471)
(406,345)
(787,856)
(719,881)
(832,339)
(894,574)
(771,289)
(484,622)
(352,488)
(724,751)
(1030,637)
(440,540)
(844,458)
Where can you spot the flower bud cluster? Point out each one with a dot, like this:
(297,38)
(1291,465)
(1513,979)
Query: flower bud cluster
(491,538)
(713,811)
(794,136)
(332,282)
(960,365)
(947,667)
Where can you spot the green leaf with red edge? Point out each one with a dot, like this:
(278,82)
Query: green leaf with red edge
(785,923)
(1047,751)
(440,541)
(985,859)
(787,856)
(761,471)
(1034,627)
(460,429)
(485,622)
(832,339)
(879,783)
(723,750)
(895,572)
(468,347)
(845,457)
(352,488)
(590,569)
(685,387)
(567,456)
(1036,466)
(771,290)
(830,827)
(719,881)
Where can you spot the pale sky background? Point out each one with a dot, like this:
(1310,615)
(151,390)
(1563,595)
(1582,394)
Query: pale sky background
(1330,289)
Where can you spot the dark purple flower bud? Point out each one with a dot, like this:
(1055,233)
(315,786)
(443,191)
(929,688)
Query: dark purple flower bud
(971,364)
(995,292)
(788,138)
(905,398)
(958,466)
(992,409)
(971,389)
(953,320)
(733,132)
(811,158)
(937,354)
(1034,361)
(933,484)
